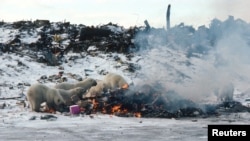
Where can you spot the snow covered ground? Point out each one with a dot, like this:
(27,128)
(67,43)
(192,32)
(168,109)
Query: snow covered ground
(192,77)
(15,125)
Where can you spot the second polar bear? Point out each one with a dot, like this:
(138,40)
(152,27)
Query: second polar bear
(115,81)
(85,84)
(111,81)
(96,90)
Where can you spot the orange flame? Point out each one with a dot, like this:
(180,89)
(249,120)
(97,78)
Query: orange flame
(49,110)
(125,86)
(137,114)
(95,104)
(116,108)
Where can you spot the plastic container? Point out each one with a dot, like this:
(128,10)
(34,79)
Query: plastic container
(74,109)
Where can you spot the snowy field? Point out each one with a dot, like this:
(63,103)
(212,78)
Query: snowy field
(195,78)
(17,127)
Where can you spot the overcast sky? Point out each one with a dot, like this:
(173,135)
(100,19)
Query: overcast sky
(124,12)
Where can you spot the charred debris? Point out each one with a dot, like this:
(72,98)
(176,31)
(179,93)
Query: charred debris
(56,39)
(150,102)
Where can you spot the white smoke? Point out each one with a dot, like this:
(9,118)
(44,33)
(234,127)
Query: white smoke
(197,63)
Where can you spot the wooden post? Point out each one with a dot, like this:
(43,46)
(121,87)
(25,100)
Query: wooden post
(168,17)
(147,25)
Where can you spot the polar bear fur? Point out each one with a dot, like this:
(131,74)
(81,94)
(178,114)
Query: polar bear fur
(115,81)
(39,93)
(86,84)
(72,96)
(96,90)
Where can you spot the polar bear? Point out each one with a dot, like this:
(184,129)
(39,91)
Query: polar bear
(72,96)
(115,81)
(86,84)
(96,90)
(54,98)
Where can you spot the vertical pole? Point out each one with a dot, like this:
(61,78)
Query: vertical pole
(168,17)
(147,25)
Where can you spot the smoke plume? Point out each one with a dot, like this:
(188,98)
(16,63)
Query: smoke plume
(197,63)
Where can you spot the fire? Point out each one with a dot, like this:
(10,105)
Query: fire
(49,110)
(116,109)
(44,108)
(95,104)
(125,86)
(137,114)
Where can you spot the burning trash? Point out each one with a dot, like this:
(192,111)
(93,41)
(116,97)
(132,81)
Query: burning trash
(114,96)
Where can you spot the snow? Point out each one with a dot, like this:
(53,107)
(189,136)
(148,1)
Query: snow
(108,127)
(16,123)
(116,30)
